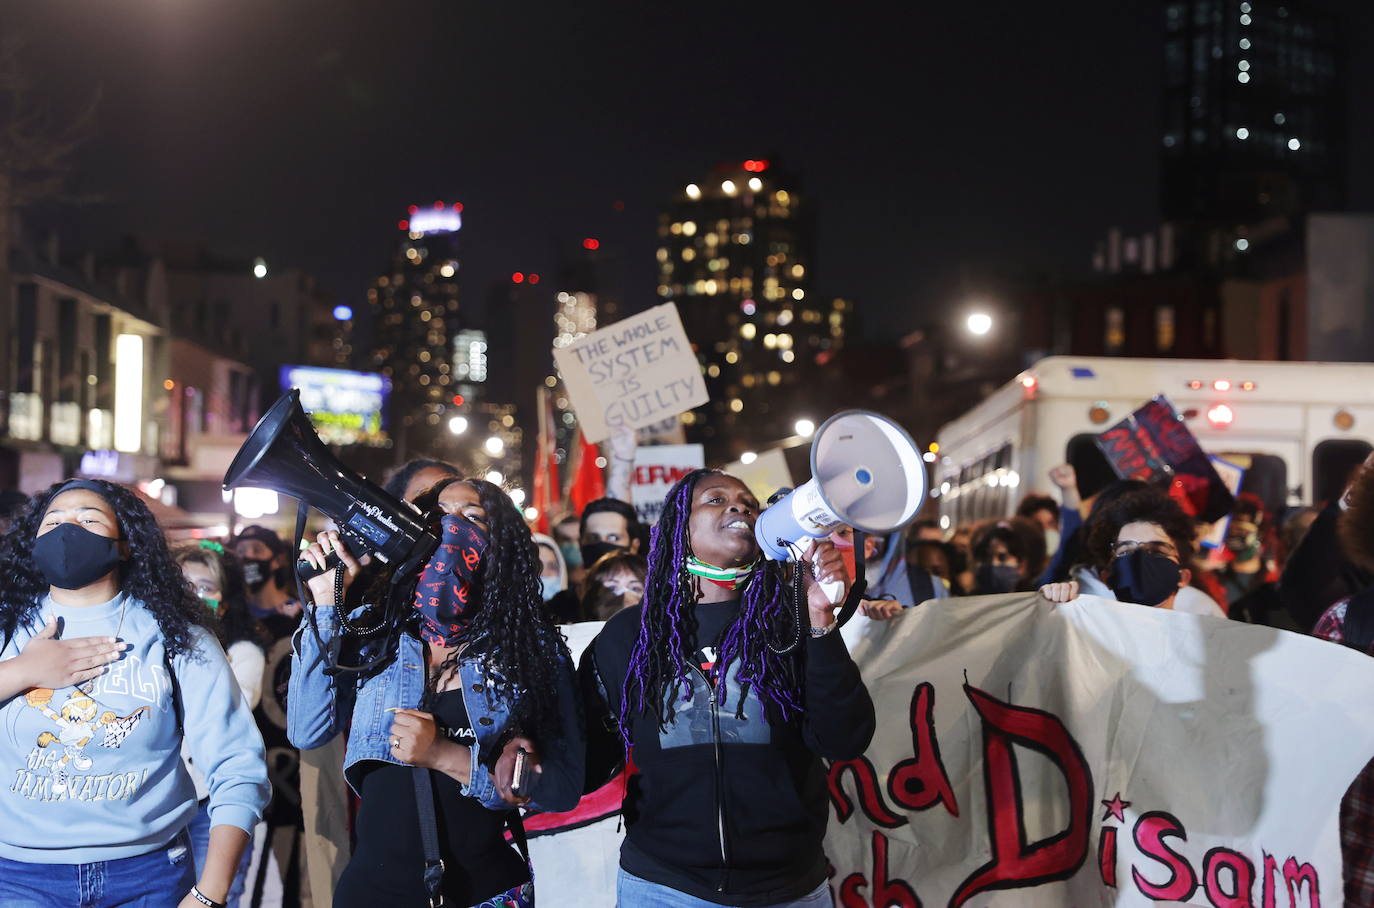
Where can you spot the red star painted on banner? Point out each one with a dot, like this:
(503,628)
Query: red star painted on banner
(1115,808)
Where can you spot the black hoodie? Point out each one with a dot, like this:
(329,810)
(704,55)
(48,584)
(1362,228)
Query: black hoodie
(726,809)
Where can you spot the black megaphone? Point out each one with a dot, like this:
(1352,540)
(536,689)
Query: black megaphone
(284,454)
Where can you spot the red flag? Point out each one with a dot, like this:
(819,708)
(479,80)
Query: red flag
(588,482)
(546,486)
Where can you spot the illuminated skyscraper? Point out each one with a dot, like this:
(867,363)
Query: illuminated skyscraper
(1254,110)
(736,255)
(414,316)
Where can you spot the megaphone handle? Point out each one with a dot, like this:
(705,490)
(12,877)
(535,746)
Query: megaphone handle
(305,570)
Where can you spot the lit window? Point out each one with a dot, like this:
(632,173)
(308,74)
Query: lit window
(713,370)
(693,191)
(1164,329)
(799,293)
(774,378)
(736,405)
(663,255)
(748,331)
(770,341)
(798,270)
(732,357)
(689,228)
(785,317)
(788,356)
(1114,337)
(782,197)
(688,254)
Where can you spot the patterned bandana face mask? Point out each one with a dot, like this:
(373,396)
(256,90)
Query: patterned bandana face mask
(444,593)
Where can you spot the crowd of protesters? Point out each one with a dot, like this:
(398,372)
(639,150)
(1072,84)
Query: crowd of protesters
(243,824)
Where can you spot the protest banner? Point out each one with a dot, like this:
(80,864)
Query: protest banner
(656,468)
(1232,474)
(634,373)
(1154,444)
(1088,754)
(765,474)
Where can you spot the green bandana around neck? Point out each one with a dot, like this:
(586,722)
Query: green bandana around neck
(730,578)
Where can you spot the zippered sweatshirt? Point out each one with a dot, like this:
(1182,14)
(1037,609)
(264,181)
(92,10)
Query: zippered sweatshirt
(725,809)
(95,774)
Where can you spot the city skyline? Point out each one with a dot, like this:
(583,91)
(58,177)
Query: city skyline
(950,144)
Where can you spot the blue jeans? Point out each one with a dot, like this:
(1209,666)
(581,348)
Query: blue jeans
(159,879)
(199,830)
(633,892)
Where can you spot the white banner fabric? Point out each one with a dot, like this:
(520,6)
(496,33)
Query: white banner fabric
(1088,754)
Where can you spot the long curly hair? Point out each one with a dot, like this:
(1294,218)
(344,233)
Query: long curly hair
(510,628)
(149,575)
(759,638)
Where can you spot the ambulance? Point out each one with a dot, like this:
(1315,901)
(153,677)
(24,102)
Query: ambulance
(1295,429)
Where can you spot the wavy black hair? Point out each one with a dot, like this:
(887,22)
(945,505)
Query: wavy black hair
(510,628)
(1141,505)
(758,638)
(149,575)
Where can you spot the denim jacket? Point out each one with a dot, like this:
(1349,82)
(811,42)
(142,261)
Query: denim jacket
(320,706)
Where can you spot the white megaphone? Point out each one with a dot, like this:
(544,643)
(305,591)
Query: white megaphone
(865,472)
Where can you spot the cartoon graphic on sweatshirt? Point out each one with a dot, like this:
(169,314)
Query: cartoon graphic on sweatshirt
(77,722)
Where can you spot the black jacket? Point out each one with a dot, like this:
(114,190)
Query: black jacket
(726,809)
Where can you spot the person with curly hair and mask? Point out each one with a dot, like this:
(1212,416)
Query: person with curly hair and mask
(106,668)
(729,685)
(477,673)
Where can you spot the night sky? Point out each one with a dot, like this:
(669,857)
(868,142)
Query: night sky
(937,141)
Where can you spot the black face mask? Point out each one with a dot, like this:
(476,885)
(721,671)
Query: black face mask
(71,557)
(591,551)
(256,572)
(990,579)
(1144,577)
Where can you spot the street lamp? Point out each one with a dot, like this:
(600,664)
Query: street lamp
(979,323)
(495,446)
(805,428)
(458,425)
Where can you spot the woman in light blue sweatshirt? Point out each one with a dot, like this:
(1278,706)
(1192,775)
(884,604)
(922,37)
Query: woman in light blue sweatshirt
(104,668)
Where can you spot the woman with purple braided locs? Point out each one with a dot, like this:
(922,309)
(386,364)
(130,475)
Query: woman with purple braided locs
(721,692)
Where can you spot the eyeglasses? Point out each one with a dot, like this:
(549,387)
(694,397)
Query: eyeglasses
(1157,547)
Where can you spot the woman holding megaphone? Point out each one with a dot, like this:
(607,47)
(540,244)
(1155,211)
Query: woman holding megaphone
(729,684)
(474,713)
(105,668)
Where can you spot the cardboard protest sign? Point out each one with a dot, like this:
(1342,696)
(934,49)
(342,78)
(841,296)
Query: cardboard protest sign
(1233,475)
(765,474)
(656,469)
(1153,444)
(1088,754)
(634,373)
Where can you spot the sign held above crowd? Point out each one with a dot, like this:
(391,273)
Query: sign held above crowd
(634,373)
(1154,444)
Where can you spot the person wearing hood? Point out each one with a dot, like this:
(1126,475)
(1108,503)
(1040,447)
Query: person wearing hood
(553,574)
(893,584)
